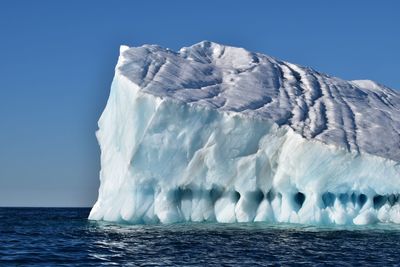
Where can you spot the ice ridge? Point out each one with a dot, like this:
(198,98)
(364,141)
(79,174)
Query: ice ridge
(356,115)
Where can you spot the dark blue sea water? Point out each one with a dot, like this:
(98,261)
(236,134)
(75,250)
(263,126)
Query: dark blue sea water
(52,237)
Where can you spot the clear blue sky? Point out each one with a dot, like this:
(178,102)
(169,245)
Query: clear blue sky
(57,60)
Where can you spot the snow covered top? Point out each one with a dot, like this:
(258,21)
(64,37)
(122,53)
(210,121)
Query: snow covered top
(361,116)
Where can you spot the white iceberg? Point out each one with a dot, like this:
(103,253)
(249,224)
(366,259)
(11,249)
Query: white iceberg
(217,133)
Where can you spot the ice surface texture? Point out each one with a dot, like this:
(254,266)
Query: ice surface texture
(217,133)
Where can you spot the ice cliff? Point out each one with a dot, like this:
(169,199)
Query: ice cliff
(218,133)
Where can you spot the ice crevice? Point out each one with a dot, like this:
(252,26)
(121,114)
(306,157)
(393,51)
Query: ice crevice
(182,142)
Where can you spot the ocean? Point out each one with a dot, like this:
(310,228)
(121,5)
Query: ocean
(65,237)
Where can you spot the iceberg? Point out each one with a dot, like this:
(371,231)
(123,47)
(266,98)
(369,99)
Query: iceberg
(218,133)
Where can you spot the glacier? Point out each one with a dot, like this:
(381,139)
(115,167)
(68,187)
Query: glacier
(217,133)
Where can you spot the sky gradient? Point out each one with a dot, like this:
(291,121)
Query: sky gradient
(57,62)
